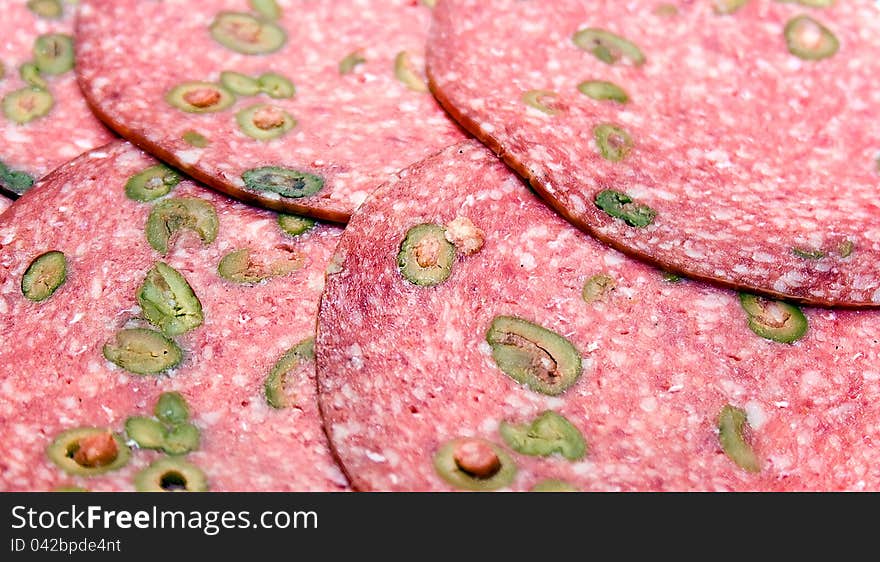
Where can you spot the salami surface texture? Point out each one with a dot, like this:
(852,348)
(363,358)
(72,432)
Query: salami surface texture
(333,92)
(56,374)
(44,120)
(674,390)
(737,148)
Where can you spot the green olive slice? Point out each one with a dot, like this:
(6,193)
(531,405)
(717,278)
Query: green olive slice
(200,97)
(732,429)
(534,356)
(181,439)
(238,83)
(351,61)
(553,485)
(267,9)
(195,138)
(845,248)
(621,206)
(246,34)
(53,53)
(146,432)
(168,301)
(88,451)
(294,225)
(264,121)
(470,463)
(774,320)
(542,100)
(242,266)
(276,86)
(283,181)
(613,141)
(550,433)
(406,74)
(298,359)
(15,181)
(171,474)
(728,6)
(24,105)
(169,216)
(30,73)
(142,351)
(152,183)
(807,253)
(608,47)
(426,256)
(602,90)
(44,275)
(171,408)
(49,9)
(597,287)
(808,39)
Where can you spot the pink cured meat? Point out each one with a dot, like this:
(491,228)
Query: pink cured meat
(355,130)
(5,202)
(761,166)
(70,128)
(402,368)
(54,376)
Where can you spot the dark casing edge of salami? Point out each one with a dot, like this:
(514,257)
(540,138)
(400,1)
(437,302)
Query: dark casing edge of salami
(327,214)
(355,483)
(495,146)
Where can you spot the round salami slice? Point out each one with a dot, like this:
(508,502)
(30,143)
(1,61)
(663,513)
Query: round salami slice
(44,119)
(469,338)
(157,335)
(298,106)
(728,141)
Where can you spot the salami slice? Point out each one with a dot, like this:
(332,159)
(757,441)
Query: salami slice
(471,339)
(731,145)
(137,357)
(44,119)
(298,106)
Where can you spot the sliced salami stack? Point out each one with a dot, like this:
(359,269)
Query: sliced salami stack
(157,335)
(728,141)
(470,339)
(44,119)
(299,106)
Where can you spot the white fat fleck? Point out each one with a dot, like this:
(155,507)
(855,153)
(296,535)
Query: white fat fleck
(210,418)
(96,288)
(648,404)
(696,254)
(376,457)
(781,403)
(489,425)
(612,259)
(527,262)
(762,257)
(578,204)
(107,411)
(675,388)
(755,413)
(592,346)
(239,380)
(76,318)
(97,155)
(358,197)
